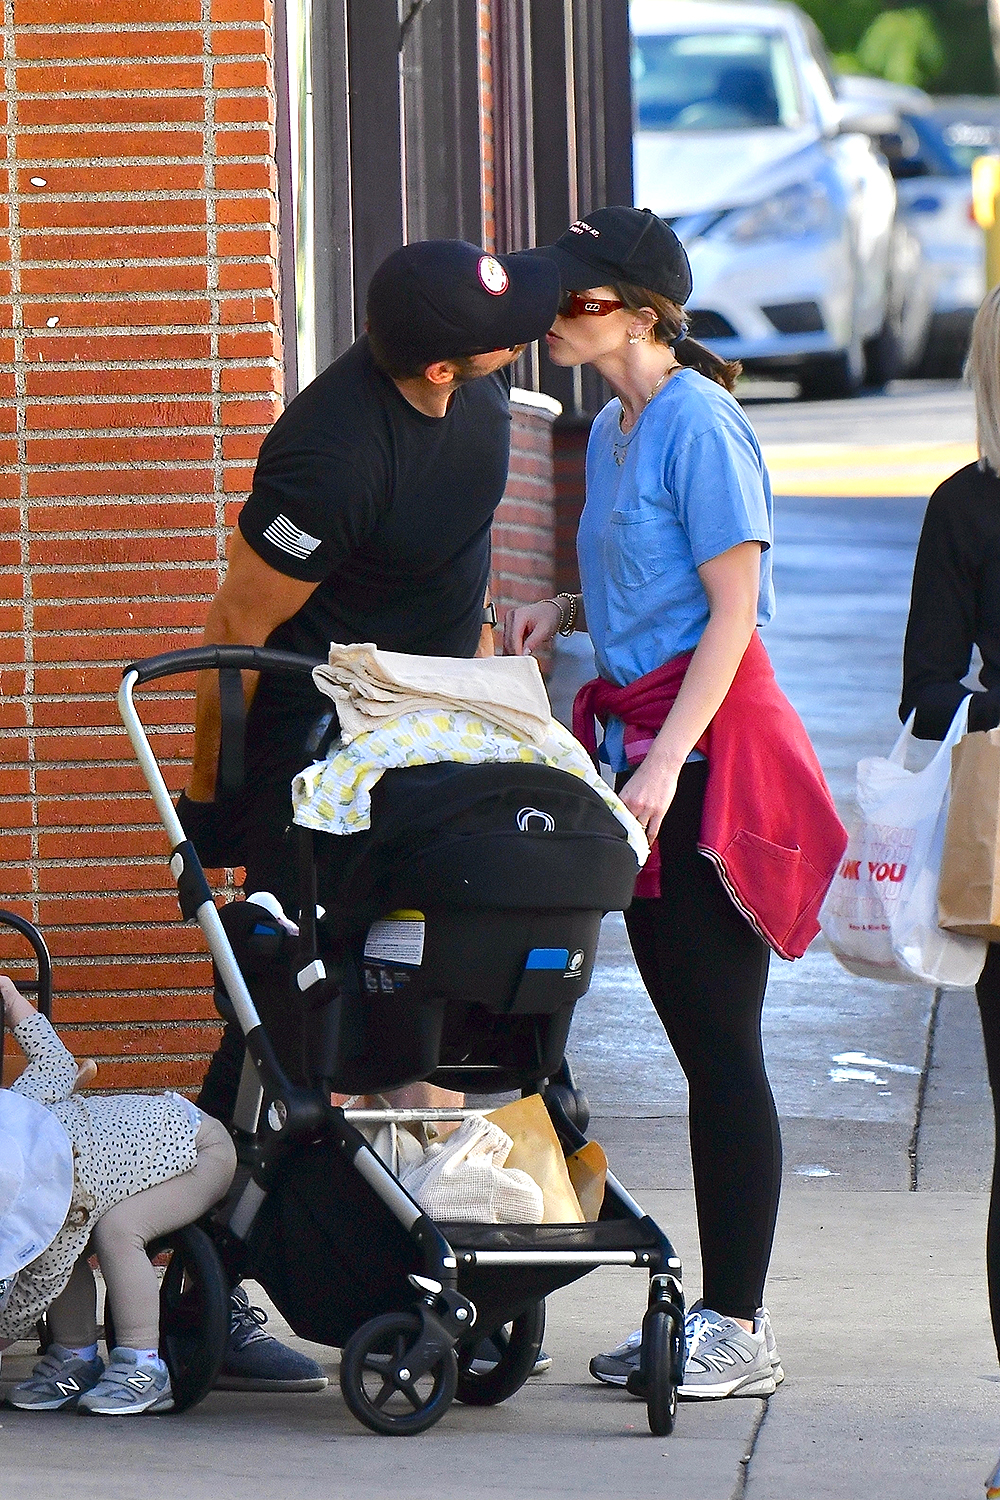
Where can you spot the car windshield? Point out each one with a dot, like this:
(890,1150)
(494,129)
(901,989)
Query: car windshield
(714,80)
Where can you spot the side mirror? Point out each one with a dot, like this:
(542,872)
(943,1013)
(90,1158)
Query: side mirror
(857,119)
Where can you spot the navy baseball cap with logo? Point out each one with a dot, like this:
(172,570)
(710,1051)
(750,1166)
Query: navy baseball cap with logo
(440,299)
(622,244)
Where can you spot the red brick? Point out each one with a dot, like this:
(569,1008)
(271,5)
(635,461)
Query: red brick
(90,483)
(86,44)
(243,275)
(237,481)
(136,583)
(83,416)
(128,382)
(249,310)
(136,616)
(114,78)
(154,246)
(105,280)
(249,40)
(156,110)
(241,444)
(76,13)
(15,880)
(104,747)
(134,314)
(243,75)
(54,348)
(169,177)
(112,909)
(15,845)
(242,10)
(261,413)
(157,516)
(238,177)
(251,378)
(102,145)
(125,552)
(243,140)
(239,107)
(120,212)
(262,343)
(170,449)
(258,208)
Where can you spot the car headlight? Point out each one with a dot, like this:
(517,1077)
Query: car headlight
(802,209)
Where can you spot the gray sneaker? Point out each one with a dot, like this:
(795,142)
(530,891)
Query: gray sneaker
(615,1367)
(129,1386)
(762,1324)
(57,1382)
(723,1359)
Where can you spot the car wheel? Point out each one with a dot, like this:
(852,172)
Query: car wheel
(882,358)
(835,375)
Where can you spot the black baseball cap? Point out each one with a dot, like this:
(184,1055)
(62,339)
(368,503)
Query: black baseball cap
(622,244)
(439,299)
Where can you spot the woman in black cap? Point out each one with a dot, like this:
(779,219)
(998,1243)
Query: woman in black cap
(674,549)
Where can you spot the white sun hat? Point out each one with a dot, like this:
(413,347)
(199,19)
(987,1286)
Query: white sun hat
(36,1180)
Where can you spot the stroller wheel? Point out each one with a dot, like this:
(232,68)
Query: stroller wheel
(377,1385)
(194,1314)
(662,1333)
(517,1344)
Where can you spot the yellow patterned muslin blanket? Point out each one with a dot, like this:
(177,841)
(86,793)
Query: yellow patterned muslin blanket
(334,795)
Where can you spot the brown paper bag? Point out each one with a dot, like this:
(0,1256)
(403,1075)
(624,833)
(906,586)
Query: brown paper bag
(588,1172)
(537,1151)
(969,888)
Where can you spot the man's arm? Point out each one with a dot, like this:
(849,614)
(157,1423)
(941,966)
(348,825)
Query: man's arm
(254,600)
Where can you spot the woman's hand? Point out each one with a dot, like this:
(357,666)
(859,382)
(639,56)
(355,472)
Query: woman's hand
(649,792)
(530,627)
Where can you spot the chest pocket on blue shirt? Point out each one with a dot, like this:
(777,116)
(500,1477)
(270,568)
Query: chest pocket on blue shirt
(637,549)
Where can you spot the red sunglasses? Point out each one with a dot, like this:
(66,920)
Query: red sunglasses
(577,305)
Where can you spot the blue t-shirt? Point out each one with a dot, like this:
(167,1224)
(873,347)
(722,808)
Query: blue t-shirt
(686,484)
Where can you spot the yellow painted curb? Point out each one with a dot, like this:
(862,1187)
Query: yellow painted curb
(847,469)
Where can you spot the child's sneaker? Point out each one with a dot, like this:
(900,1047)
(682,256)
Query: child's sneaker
(57,1382)
(130,1386)
(762,1324)
(615,1367)
(993,1485)
(722,1359)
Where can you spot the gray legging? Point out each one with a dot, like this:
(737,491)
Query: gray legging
(120,1238)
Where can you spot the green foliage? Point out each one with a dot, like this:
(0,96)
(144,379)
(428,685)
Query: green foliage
(903,46)
(962,32)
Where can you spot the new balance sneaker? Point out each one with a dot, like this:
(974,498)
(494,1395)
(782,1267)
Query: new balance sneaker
(255,1361)
(129,1386)
(57,1382)
(762,1324)
(615,1367)
(486,1357)
(723,1359)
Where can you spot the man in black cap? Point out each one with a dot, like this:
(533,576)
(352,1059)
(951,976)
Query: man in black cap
(369,520)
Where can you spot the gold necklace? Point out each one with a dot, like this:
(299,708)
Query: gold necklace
(620,450)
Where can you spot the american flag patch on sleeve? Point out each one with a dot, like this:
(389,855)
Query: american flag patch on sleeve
(284,534)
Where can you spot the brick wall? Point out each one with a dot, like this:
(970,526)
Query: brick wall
(141,358)
(523,532)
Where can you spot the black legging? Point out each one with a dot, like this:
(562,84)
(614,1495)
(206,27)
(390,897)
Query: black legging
(988,995)
(705,969)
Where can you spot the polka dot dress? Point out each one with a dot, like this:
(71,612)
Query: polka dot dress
(121,1145)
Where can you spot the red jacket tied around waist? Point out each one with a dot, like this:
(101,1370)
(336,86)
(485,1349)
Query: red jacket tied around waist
(769,823)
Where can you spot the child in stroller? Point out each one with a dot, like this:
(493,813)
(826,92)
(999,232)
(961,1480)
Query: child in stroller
(117,1172)
(459,933)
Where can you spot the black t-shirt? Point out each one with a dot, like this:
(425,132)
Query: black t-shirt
(388,510)
(955,605)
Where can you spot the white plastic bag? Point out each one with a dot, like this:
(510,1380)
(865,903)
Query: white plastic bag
(464,1179)
(880,913)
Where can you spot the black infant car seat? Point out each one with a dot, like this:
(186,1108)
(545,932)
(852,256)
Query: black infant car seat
(458,932)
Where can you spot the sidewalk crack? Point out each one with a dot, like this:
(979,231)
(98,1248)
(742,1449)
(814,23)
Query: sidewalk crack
(740,1488)
(913,1148)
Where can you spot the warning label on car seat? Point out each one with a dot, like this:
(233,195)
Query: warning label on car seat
(397,938)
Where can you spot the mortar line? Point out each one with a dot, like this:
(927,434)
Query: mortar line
(913,1148)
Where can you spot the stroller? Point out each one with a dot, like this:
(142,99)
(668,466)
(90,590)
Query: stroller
(452,944)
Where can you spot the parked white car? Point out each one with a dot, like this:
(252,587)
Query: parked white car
(934,189)
(786,210)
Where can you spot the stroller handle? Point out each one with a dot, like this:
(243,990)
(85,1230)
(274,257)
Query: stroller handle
(203,658)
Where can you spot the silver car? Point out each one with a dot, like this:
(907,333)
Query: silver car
(784,206)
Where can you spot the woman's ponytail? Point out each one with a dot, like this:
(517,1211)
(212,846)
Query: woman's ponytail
(671,328)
